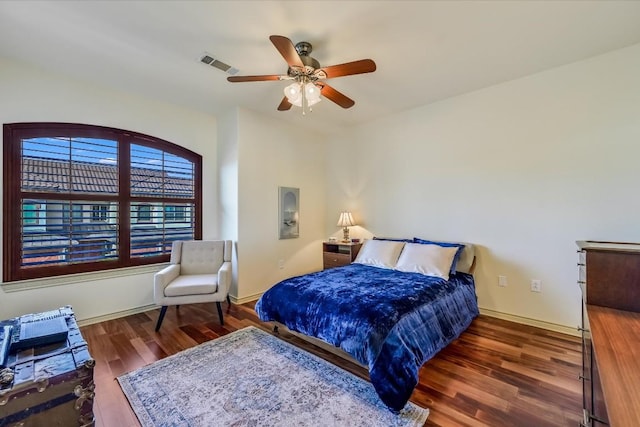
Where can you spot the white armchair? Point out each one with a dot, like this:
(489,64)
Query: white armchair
(200,271)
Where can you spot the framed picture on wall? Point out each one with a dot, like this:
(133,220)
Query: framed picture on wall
(289,212)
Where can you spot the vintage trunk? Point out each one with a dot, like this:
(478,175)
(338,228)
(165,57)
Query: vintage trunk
(50,385)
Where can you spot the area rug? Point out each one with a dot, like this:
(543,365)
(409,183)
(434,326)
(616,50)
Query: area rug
(251,378)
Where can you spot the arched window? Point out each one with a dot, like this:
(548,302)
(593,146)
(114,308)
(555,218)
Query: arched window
(81,198)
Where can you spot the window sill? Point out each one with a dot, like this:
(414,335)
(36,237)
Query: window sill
(24,285)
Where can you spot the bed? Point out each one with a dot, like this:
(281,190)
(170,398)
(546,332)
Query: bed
(391,310)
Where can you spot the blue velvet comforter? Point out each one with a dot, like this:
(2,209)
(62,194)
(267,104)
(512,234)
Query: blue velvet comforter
(390,321)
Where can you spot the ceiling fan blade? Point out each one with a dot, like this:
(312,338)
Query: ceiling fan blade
(287,50)
(335,96)
(237,79)
(284,105)
(356,67)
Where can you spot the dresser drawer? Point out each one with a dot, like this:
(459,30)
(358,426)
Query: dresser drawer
(332,259)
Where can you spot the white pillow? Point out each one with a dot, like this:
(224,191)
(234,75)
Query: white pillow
(430,260)
(379,253)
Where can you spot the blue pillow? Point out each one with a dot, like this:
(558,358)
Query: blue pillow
(394,240)
(460,247)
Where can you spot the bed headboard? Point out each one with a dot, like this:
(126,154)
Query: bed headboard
(467,261)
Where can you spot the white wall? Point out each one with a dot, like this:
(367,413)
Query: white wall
(228,187)
(29,95)
(523,169)
(273,154)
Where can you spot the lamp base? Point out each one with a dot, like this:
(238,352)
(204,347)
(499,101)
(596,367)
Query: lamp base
(345,237)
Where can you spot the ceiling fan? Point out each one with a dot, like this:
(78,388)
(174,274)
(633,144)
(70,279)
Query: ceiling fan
(308,76)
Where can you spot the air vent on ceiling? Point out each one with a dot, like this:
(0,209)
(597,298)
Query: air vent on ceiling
(208,59)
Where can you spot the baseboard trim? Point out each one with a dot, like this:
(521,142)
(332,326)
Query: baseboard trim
(116,315)
(531,322)
(242,300)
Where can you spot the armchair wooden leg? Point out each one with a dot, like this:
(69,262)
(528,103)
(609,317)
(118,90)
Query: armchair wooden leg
(228,299)
(161,317)
(220,312)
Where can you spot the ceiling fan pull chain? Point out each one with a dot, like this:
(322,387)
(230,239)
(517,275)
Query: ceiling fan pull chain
(303,84)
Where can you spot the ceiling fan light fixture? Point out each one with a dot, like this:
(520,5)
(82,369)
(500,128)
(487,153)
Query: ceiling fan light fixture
(294,94)
(311,103)
(312,93)
(292,91)
(296,101)
(302,94)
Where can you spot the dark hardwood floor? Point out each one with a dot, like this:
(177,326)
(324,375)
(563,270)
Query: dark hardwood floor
(498,373)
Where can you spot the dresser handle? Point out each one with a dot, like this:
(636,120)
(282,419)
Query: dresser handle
(583,378)
(581,264)
(581,329)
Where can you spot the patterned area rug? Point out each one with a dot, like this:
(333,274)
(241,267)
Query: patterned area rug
(250,378)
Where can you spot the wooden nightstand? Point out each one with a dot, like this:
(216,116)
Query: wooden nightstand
(337,254)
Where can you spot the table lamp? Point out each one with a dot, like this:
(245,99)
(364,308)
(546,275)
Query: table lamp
(346,221)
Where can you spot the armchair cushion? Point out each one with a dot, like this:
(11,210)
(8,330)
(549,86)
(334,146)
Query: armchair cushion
(193,284)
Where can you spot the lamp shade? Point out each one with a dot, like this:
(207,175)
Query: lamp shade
(346,220)
(312,93)
(293,94)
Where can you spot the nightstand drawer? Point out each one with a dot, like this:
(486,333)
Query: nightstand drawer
(335,259)
(338,254)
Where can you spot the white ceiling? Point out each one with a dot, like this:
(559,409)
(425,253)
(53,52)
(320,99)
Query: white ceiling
(425,51)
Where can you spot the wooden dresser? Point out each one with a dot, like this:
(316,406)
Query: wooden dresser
(609,276)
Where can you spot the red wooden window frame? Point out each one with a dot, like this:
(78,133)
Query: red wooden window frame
(13,196)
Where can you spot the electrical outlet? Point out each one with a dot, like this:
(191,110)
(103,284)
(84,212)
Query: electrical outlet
(536,285)
(502,281)
(280,264)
